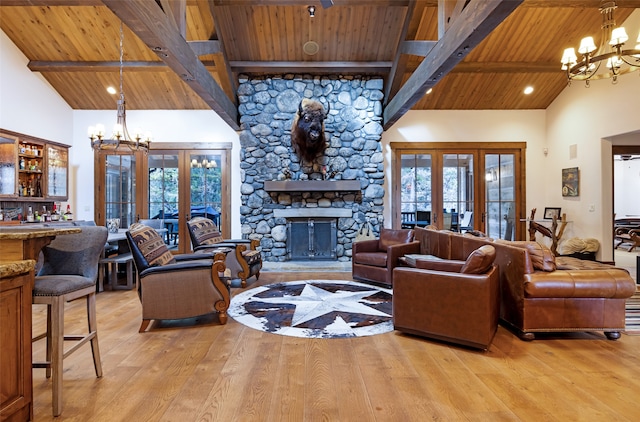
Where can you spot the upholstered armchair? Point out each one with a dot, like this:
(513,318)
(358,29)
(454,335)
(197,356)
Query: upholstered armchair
(244,262)
(447,300)
(374,260)
(177,286)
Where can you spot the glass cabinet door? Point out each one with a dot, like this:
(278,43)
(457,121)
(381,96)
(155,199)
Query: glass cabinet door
(8,168)
(57,172)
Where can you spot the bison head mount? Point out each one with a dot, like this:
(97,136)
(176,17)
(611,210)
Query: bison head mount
(307,130)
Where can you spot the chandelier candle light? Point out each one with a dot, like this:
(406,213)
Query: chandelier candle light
(618,61)
(120,134)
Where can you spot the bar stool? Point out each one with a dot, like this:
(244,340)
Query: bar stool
(69,271)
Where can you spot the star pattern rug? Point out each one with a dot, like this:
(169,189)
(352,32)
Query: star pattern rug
(315,309)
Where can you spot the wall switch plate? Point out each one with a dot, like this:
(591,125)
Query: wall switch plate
(592,208)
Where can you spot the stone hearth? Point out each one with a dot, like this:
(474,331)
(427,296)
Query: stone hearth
(346,183)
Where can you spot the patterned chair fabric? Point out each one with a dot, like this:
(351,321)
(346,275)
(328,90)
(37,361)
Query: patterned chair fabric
(153,249)
(184,286)
(244,263)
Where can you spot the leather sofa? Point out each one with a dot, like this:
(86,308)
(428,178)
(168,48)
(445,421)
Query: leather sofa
(540,292)
(374,260)
(449,300)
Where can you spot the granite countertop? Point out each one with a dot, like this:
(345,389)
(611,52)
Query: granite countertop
(22,233)
(14,268)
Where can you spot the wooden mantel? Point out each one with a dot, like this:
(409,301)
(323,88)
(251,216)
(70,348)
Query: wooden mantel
(311,185)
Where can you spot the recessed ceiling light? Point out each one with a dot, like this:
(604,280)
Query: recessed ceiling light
(528,90)
(111,90)
(429,91)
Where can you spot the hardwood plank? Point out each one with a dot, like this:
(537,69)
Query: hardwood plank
(199,370)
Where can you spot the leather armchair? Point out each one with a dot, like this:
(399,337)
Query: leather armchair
(176,286)
(452,301)
(244,262)
(374,260)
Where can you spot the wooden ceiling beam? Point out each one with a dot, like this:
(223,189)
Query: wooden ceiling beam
(147,20)
(309,67)
(225,74)
(176,10)
(417,47)
(396,74)
(236,66)
(368,3)
(476,21)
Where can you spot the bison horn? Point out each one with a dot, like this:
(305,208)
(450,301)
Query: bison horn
(328,109)
(300,108)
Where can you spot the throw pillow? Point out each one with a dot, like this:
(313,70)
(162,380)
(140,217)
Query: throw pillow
(480,260)
(205,232)
(151,245)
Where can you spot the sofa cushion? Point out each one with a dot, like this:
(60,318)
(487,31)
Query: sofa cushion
(480,260)
(151,245)
(375,259)
(390,237)
(541,256)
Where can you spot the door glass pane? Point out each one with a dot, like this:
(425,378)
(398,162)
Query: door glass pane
(415,176)
(163,193)
(206,186)
(120,191)
(500,196)
(7,166)
(457,190)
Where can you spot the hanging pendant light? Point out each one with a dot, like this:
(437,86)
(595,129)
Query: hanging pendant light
(120,136)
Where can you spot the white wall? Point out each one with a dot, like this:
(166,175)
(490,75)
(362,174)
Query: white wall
(475,126)
(587,119)
(28,104)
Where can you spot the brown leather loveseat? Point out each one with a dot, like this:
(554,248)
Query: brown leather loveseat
(540,292)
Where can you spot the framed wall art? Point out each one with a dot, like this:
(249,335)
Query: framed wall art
(570,182)
(550,212)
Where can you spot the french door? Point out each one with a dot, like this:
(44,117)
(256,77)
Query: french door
(439,184)
(187,183)
(173,182)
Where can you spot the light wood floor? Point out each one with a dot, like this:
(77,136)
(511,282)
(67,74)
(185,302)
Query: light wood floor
(209,372)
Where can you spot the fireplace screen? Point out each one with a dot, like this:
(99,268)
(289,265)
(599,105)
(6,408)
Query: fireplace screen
(312,238)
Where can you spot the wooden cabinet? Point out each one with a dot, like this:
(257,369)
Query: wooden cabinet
(16,283)
(32,169)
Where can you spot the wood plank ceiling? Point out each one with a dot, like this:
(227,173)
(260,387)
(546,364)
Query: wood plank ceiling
(188,54)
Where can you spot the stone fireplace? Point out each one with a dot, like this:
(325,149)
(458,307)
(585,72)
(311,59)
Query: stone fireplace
(301,210)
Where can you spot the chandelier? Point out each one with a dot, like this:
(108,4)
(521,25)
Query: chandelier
(610,53)
(120,136)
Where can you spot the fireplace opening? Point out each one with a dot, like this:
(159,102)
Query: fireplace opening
(312,239)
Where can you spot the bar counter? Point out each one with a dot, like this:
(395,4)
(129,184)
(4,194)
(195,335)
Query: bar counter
(19,250)
(18,243)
